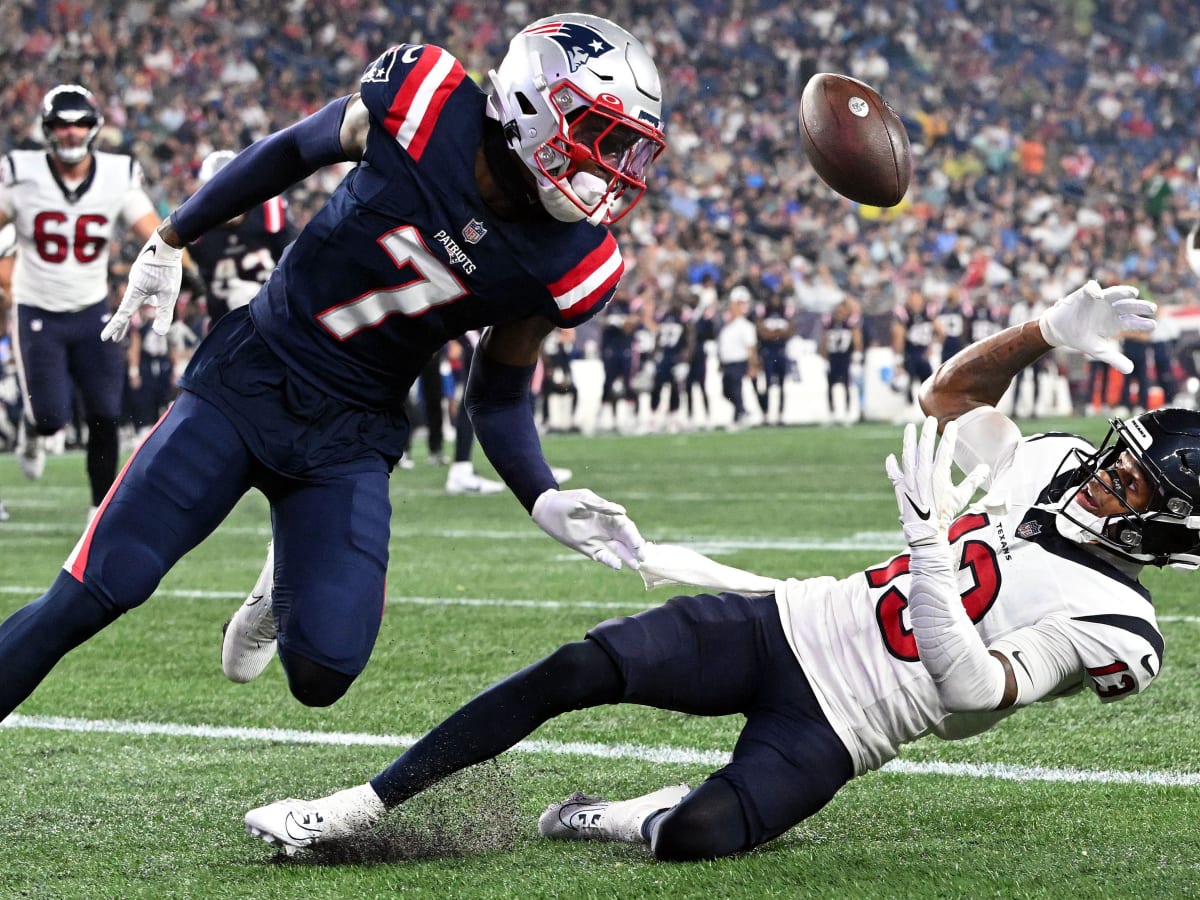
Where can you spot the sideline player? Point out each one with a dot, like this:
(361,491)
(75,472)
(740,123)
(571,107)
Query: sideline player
(66,204)
(466,210)
(236,258)
(1030,594)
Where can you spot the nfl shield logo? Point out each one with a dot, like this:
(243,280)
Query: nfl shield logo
(1028,530)
(474,231)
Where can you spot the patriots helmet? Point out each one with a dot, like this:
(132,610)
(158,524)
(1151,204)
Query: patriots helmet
(577,94)
(1165,443)
(70,104)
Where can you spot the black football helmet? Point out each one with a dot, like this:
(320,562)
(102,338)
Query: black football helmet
(1165,443)
(70,104)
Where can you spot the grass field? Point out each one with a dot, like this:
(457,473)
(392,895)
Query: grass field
(127,773)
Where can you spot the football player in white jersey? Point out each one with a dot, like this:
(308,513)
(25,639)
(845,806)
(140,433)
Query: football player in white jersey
(66,202)
(834,675)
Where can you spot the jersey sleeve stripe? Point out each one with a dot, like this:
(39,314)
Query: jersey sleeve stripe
(418,103)
(590,281)
(273,215)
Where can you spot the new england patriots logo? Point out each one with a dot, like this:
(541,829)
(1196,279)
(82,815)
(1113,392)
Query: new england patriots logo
(581,43)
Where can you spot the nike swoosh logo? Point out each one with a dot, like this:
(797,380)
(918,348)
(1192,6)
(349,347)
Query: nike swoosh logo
(152,250)
(298,830)
(921,513)
(1021,663)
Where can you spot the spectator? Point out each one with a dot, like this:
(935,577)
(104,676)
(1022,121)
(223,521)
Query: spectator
(737,353)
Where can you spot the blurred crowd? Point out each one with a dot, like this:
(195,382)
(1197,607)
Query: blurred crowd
(1052,141)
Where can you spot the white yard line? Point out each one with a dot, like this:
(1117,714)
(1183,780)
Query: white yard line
(638,602)
(635,752)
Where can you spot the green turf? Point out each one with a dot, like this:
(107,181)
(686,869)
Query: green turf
(94,813)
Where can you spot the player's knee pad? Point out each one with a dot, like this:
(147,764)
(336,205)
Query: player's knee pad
(312,683)
(707,824)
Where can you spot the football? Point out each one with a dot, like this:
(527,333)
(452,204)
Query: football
(854,140)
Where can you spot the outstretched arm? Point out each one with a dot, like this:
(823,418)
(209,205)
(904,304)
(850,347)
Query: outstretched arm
(979,374)
(497,399)
(1086,320)
(498,402)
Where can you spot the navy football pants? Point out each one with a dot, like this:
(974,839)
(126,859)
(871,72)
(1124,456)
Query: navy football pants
(331,545)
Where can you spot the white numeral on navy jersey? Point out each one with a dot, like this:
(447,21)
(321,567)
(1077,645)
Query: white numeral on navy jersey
(430,283)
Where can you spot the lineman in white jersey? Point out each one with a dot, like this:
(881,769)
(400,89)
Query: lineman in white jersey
(65,203)
(1029,594)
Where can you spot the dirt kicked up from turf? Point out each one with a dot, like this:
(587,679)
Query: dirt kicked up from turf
(470,813)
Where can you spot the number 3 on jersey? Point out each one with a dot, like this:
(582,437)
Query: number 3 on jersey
(430,283)
(977,557)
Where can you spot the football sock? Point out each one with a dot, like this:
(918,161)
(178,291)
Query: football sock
(576,676)
(464,436)
(103,448)
(37,636)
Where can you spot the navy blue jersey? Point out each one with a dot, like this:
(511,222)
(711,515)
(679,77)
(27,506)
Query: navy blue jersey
(237,258)
(918,330)
(616,331)
(985,321)
(406,255)
(705,326)
(955,322)
(670,337)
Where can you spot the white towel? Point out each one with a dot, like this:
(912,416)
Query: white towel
(672,564)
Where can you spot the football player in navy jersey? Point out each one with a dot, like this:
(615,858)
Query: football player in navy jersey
(774,321)
(66,202)
(1031,594)
(841,346)
(235,259)
(915,329)
(466,209)
(670,363)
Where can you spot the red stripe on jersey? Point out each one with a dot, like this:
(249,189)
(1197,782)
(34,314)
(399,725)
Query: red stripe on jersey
(606,287)
(273,215)
(600,258)
(417,146)
(430,99)
(79,557)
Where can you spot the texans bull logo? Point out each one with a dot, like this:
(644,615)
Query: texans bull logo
(580,42)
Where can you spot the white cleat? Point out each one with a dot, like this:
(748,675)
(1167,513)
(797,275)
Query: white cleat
(584,818)
(31,456)
(248,639)
(293,825)
(560,474)
(461,479)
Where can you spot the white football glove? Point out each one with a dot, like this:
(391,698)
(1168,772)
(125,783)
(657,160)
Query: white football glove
(591,525)
(1088,318)
(154,277)
(925,492)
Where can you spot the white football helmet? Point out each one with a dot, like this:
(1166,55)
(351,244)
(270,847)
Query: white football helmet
(577,90)
(214,163)
(70,104)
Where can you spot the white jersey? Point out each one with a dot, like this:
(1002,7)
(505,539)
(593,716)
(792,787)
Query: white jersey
(854,640)
(63,232)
